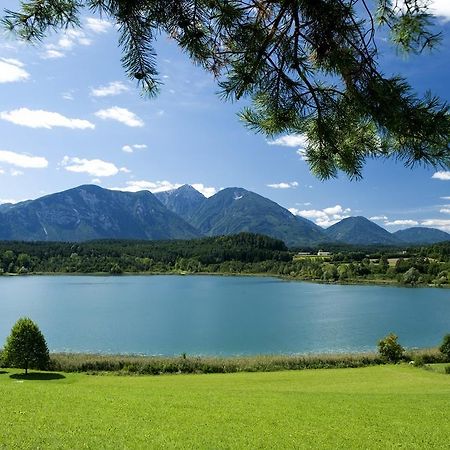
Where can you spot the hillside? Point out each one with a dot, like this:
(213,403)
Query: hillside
(234,210)
(90,212)
(422,235)
(183,201)
(360,231)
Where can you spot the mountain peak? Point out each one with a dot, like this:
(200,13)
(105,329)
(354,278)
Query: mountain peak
(234,210)
(360,231)
(422,235)
(183,201)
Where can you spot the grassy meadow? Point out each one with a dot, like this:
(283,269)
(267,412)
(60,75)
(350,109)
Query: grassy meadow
(373,407)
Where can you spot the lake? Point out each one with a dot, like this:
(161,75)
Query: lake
(214,315)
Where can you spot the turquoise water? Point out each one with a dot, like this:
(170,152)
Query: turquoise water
(213,315)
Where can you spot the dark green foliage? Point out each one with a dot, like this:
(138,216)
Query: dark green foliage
(390,349)
(445,346)
(229,253)
(309,67)
(26,347)
(447,370)
(245,253)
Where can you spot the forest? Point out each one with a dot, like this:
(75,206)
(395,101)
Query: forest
(244,253)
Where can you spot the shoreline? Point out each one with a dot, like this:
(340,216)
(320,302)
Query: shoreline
(158,365)
(352,282)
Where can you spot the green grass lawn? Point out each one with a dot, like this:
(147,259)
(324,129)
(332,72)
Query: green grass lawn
(373,407)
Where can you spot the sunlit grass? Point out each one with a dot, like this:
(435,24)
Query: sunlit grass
(373,407)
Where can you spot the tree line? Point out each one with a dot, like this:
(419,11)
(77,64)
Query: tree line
(244,253)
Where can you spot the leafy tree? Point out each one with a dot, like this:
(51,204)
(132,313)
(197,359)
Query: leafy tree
(390,349)
(445,346)
(26,347)
(308,67)
(411,276)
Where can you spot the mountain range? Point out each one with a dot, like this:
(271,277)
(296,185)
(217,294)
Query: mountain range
(90,212)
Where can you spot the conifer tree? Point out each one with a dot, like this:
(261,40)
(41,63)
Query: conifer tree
(307,66)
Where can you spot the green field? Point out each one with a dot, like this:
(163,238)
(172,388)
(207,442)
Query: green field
(373,407)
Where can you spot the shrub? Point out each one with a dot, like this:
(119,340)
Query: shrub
(390,349)
(445,346)
(447,370)
(26,347)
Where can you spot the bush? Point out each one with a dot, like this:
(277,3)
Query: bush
(390,349)
(26,347)
(445,346)
(447,370)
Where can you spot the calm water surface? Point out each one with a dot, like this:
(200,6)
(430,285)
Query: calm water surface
(213,315)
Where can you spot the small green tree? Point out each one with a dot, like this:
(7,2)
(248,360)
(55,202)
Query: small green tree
(26,347)
(390,349)
(445,346)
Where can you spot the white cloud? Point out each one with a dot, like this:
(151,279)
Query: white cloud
(152,186)
(445,210)
(112,88)
(96,181)
(161,186)
(12,70)
(323,217)
(67,95)
(8,200)
(130,148)
(2,172)
(124,170)
(93,167)
(43,119)
(440,8)
(23,160)
(52,54)
(302,153)
(293,140)
(290,140)
(98,25)
(15,172)
(13,61)
(402,222)
(445,198)
(442,175)
(205,190)
(66,42)
(283,185)
(442,224)
(378,218)
(121,115)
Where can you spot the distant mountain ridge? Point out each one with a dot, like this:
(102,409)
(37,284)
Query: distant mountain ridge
(234,210)
(422,235)
(360,231)
(90,212)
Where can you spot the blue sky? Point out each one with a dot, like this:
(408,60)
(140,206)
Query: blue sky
(69,116)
